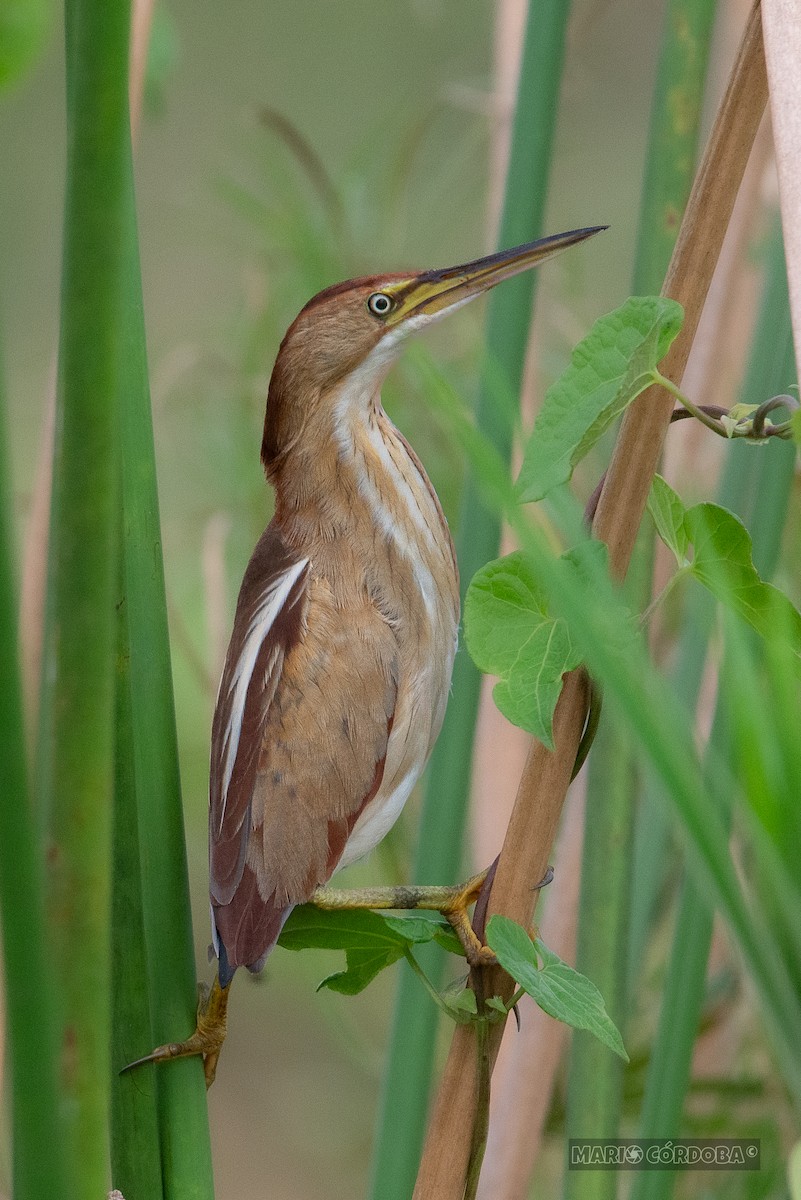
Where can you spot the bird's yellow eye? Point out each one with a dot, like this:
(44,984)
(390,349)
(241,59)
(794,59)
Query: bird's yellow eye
(380,304)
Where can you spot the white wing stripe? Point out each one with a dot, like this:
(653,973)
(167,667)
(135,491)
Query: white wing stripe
(264,618)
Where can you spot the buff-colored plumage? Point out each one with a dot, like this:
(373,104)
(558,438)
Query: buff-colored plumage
(338,671)
(356,674)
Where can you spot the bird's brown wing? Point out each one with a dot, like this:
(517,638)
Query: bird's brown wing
(298,744)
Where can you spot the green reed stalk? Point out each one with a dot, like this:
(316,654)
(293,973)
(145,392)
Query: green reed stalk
(439,853)
(673,136)
(674,123)
(595,1092)
(156,998)
(30,1012)
(76,750)
(135,1149)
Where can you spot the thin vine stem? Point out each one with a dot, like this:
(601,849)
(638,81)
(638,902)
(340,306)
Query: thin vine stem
(755,429)
(782,401)
(662,596)
(426,982)
(700,415)
(712,411)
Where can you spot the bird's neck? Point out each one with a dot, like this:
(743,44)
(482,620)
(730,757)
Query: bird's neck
(354,475)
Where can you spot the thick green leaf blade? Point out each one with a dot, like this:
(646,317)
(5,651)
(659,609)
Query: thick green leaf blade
(559,990)
(608,369)
(722,562)
(509,632)
(668,512)
(75,754)
(149,777)
(29,981)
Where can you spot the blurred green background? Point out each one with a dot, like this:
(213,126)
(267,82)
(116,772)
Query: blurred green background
(384,165)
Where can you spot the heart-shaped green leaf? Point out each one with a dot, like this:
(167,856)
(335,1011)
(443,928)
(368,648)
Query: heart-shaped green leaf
(371,940)
(559,990)
(722,562)
(509,632)
(668,512)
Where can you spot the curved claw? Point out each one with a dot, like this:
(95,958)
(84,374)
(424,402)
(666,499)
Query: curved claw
(207,1039)
(455,912)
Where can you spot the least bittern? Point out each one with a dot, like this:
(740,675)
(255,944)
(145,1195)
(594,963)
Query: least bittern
(337,674)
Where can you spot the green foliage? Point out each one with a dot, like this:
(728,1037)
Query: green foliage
(515,627)
(371,942)
(24,26)
(609,368)
(595,615)
(557,988)
(509,632)
(722,562)
(668,513)
(417,930)
(463,1002)
(509,628)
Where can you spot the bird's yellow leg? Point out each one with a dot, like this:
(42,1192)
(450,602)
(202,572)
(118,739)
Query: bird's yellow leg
(451,902)
(209,1035)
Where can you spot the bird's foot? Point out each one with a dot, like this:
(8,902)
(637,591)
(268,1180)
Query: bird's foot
(452,902)
(457,915)
(208,1037)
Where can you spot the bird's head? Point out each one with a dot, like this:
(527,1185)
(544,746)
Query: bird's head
(343,342)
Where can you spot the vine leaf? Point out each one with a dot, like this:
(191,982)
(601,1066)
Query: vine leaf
(464,1003)
(510,633)
(370,940)
(608,369)
(722,562)
(559,990)
(668,513)
(417,930)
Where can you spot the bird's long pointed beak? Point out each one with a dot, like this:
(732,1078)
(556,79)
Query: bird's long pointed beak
(434,292)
